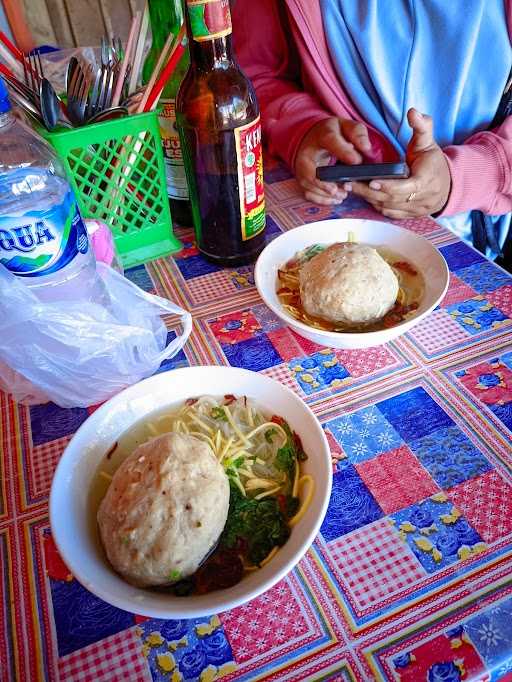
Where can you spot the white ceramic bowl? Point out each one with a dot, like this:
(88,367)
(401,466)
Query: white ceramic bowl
(73,523)
(413,248)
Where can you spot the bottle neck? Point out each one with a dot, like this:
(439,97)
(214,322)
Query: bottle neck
(209,34)
(165,17)
(211,54)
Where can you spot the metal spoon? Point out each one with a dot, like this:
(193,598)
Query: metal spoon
(49,103)
(109,114)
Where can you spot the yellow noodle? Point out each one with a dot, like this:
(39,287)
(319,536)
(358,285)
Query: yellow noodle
(204,437)
(295,489)
(269,556)
(291,309)
(239,485)
(304,506)
(200,423)
(260,496)
(234,426)
(245,472)
(267,426)
(226,448)
(256,483)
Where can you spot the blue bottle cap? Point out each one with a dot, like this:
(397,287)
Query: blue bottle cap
(5,104)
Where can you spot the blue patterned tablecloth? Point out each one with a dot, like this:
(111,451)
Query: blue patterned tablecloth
(410,577)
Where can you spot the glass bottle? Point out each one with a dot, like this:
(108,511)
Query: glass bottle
(219,125)
(166,16)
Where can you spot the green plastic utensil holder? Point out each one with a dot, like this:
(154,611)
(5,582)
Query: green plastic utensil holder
(117,171)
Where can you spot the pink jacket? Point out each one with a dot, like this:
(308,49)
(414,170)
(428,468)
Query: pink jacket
(273,38)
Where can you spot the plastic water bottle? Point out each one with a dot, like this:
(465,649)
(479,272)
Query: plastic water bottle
(43,238)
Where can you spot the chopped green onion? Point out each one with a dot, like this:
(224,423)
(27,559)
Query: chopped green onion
(269,434)
(219,413)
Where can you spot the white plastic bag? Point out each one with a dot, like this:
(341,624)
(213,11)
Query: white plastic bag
(77,353)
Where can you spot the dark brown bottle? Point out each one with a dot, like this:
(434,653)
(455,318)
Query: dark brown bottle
(218,119)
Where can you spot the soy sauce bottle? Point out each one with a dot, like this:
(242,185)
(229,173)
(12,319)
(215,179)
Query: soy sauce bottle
(218,120)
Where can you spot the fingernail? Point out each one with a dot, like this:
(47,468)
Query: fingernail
(347,187)
(375,185)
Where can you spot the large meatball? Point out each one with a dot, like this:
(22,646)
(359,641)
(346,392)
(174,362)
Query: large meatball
(164,510)
(349,283)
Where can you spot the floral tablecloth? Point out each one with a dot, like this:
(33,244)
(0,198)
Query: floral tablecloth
(410,577)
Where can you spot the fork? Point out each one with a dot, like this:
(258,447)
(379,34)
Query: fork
(33,71)
(78,93)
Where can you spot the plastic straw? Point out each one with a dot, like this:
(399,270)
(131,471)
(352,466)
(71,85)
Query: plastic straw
(13,49)
(11,62)
(7,72)
(126,60)
(174,57)
(139,49)
(156,71)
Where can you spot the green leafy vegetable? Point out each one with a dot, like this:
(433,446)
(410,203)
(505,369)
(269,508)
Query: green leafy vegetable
(257,524)
(285,460)
(310,251)
(288,455)
(219,413)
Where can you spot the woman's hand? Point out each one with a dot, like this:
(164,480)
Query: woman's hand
(342,139)
(425,191)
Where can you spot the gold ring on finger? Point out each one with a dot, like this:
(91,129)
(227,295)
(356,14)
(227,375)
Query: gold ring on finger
(411,196)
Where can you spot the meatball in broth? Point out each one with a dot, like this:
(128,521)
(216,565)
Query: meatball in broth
(164,511)
(348,283)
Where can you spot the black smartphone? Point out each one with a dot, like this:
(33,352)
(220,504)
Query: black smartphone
(363,171)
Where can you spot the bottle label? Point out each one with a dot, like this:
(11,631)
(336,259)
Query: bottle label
(177,187)
(209,19)
(250,178)
(42,242)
